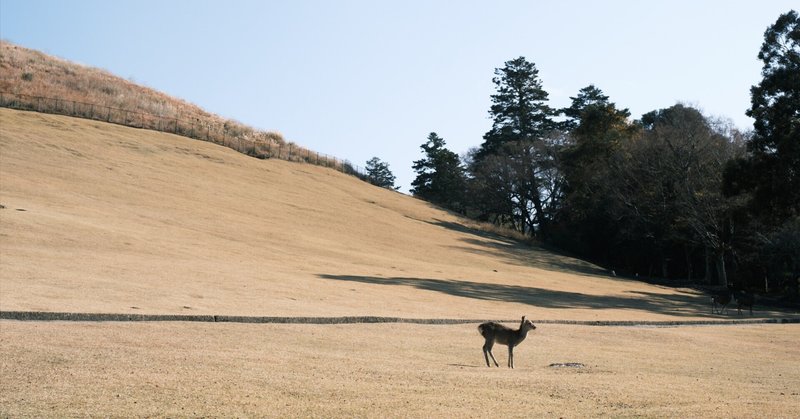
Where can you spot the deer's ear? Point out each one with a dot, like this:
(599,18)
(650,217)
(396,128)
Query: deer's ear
(523,318)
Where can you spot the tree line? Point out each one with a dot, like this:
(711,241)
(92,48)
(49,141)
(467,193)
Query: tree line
(674,194)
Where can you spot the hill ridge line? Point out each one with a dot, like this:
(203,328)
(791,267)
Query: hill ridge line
(261,145)
(208,318)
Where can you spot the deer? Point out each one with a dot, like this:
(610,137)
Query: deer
(744,299)
(497,333)
(722,299)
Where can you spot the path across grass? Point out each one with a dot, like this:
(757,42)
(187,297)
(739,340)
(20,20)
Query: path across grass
(120,317)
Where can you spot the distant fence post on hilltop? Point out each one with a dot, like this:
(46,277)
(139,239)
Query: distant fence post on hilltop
(255,146)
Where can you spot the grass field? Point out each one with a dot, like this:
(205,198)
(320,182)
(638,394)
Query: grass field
(233,370)
(101,218)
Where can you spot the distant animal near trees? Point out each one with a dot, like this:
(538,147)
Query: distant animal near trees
(744,299)
(497,333)
(722,299)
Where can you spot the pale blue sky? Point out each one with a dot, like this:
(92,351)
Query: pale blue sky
(358,79)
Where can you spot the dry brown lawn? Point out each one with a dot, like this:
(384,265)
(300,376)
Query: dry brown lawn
(232,370)
(103,218)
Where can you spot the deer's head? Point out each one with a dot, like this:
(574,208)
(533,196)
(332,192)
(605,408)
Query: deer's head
(526,325)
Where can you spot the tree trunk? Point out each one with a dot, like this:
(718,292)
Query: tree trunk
(709,272)
(722,277)
(524,216)
(688,255)
(541,218)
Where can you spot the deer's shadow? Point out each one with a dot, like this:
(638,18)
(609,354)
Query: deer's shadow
(464,366)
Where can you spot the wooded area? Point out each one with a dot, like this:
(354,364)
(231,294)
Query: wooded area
(674,195)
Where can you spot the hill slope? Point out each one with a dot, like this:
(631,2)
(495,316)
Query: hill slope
(104,218)
(32,74)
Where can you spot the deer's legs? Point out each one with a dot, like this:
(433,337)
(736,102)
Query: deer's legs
(487,349)
(510,356)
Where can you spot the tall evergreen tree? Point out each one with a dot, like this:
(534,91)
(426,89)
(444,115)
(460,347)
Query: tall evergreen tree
(516,160)
(768,177)
(596,129)
(588,97)
(440,176)
(519,110)
(771,170)
(595,126)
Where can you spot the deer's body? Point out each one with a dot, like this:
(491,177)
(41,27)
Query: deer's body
(744,299)
(498,333)
(722,300)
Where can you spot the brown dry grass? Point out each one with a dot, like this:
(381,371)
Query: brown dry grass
(187,369)
(29,72)
(123,220)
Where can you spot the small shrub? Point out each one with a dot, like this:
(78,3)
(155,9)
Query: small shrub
(27,76)
(275,137)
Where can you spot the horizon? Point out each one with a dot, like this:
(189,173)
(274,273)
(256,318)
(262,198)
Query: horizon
(334,77)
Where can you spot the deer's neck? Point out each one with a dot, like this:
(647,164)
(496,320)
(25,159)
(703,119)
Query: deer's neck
(520,335)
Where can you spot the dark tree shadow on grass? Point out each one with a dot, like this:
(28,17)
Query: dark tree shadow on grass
(518,253)
(676,304)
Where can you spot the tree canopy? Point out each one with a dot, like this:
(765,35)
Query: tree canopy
(440,176)
(519,111)
(767,178)
(379,174)
(513,174)
(771,170)
(675,194)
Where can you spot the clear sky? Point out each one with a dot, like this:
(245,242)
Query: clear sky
(363,78)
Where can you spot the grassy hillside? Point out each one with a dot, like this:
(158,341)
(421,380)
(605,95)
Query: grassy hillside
(98,217)
(32,80)
(104,218)
(30,72)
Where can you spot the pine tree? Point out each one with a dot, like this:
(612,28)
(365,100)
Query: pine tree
(588,97)
(440,176)
(378,174)
(596,129)
(518,154)
(519,110)
(768,177)
(770,171)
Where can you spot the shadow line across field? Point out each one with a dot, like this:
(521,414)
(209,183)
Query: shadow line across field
(676,304)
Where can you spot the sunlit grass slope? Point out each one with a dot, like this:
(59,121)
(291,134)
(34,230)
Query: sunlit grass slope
(104,218)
